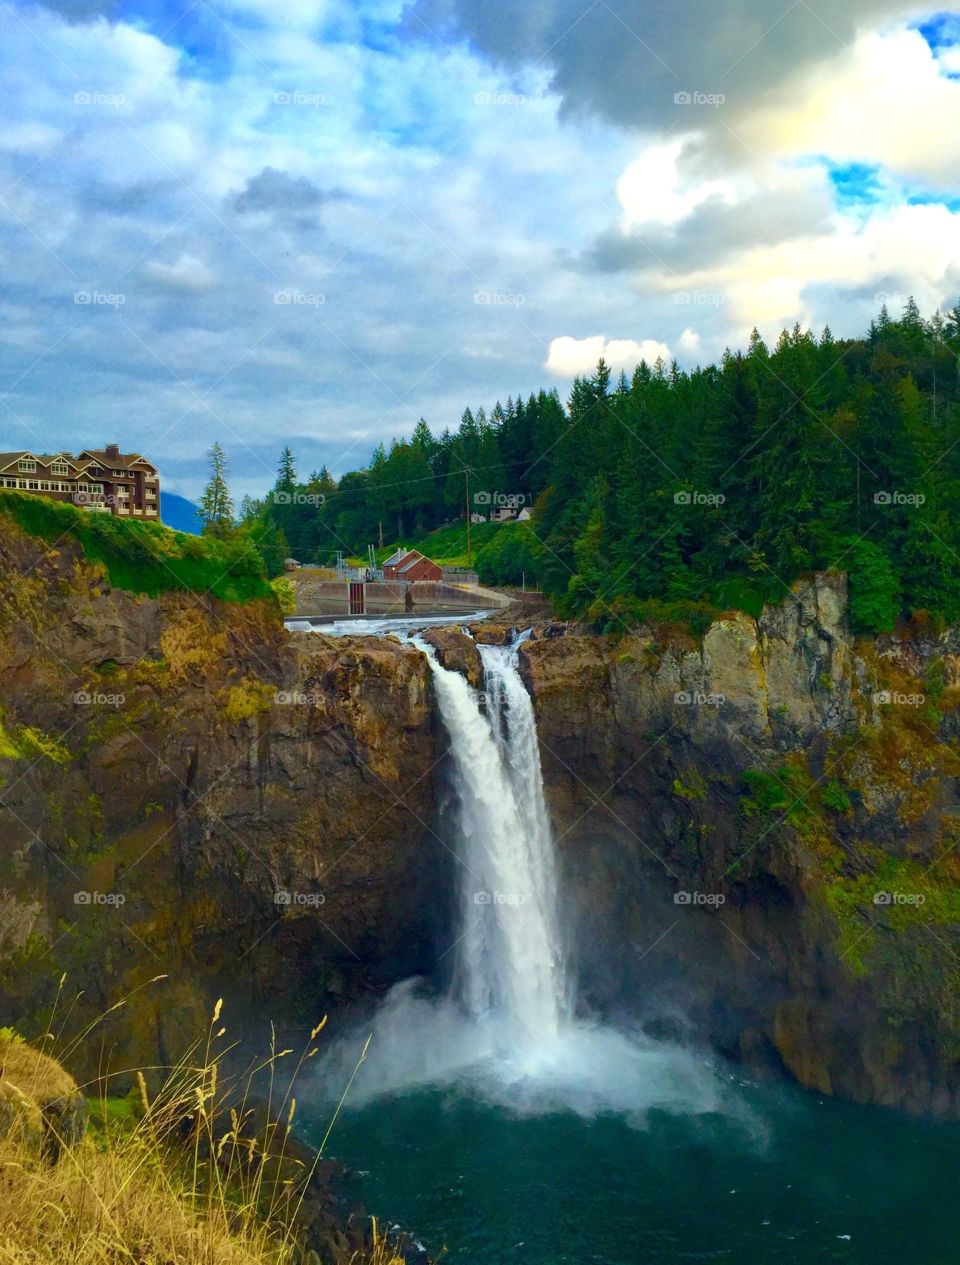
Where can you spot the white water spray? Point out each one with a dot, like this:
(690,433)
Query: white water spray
(510,967)
(507,1027)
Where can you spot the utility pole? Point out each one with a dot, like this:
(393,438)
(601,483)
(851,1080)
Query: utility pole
(466,482)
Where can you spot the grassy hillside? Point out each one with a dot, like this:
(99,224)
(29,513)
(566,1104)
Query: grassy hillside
(447,546)
(190,1171)
(144,557)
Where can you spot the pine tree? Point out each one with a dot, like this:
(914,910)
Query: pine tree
(286,472)
(216,507)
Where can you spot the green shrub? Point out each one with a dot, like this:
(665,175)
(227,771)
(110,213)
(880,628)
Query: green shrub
(833,796)
(145,557)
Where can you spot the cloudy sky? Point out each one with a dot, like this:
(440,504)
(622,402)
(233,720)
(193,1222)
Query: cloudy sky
(314,221)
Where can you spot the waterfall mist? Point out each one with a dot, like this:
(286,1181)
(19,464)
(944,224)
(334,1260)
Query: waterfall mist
(507,1027)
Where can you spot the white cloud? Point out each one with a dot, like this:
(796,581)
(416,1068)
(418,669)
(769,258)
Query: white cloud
(188,273)
(690,342)
(914,248)
(885,101)
(569,357)
(652,191)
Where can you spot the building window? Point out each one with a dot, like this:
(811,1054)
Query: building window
(10,483)
(26,465)
(33,486)
(45,487)
(97,487)
(59,467)
(119,474)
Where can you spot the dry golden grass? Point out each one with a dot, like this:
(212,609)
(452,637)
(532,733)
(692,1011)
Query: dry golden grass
(193,1174)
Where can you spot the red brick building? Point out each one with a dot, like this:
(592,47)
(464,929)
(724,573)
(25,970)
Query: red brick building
(409,564)
(103,479)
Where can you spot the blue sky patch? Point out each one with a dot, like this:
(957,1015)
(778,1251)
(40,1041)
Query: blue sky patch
(856,184)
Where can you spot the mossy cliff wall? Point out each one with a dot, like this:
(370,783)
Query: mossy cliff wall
(759,839)
(187,790)
(757,830)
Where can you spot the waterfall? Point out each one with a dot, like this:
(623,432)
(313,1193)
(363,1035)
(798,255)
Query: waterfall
(506,1029)
(509,960)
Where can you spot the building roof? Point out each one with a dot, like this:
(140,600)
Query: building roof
(120,461)
(42,458)
(89,456)
(395,557)
(412,559)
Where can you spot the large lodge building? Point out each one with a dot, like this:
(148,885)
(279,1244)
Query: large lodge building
(103,479)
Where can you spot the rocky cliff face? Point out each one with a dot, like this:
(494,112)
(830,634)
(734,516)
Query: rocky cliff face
(758,836)
(757,829)
(189,791)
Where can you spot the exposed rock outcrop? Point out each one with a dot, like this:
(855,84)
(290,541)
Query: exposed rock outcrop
(189,791)
(757,827)
(758,838)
